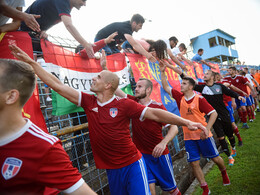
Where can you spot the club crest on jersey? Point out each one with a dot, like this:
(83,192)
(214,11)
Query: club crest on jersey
(11,167)
(218,89)
(237,80)
(113,112)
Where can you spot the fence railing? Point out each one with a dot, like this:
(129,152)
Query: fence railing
(72,130)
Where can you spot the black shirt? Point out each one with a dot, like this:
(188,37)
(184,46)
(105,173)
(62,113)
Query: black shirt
(214,95)
(120,27)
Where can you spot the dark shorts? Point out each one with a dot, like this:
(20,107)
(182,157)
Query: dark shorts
(223,128)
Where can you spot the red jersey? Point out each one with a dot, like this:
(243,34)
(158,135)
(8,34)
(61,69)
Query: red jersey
(31,159)
(147,133)
(197,106)
(239,82)
(109,132)
(226,98)
(204,106)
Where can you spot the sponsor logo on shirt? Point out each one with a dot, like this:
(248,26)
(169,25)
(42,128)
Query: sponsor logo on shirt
(95,109)
(11,167)
(113,112)
(189,111)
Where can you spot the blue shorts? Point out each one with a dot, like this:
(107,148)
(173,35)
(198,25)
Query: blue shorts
(248,101)
(205,147)
(252,99)
(160,171)
(131,179)
(240,103)
(231,111)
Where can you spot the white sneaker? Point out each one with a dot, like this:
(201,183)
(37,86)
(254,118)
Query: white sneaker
(48,99)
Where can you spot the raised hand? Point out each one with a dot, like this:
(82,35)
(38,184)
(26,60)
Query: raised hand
(103,60)
(31,22)
(89,50)
(110,38)
(20,54)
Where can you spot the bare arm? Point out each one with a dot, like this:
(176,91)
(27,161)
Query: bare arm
(235,88)
(139,48)
(170,65)
(166,117)
(165,84)
(74,32)
(84,189)
(19,15)
(212,118)
(49,79)
(183,67)
(206,63)
(159,148)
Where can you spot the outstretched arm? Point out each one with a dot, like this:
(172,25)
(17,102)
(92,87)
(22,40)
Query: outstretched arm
(165,84)
(139,48)
(29,19)
(74,32)
(166,117)
(49,79)
(183,67)
(159,148)
(206,63)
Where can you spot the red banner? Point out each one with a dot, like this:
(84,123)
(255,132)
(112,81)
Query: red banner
(32,108)
(140,69)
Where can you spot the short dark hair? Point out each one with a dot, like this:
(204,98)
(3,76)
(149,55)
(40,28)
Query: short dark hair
(233,68)
(191,81)
(243,73)
(200,50)
(149,83)
(183,46)
(17,75)
(160,49)
(173,38)
(246,68)
(137,18)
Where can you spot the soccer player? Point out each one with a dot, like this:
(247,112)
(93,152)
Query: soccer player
(30,159)
(194,107)
(230,104)
(241,83)
(109,133)
(213,93)
(147,136)
(125,31)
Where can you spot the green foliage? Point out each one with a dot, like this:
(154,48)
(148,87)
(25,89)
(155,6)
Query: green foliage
(245,174)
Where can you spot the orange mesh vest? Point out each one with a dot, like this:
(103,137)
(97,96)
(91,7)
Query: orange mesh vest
(192,112)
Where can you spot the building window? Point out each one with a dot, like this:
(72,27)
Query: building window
(212,42)
(221,41)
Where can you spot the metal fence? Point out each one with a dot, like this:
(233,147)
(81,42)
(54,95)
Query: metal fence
(76,141)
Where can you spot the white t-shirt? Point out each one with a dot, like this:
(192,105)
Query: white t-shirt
(167,43)
(175,51)
(249,77)
(13,4)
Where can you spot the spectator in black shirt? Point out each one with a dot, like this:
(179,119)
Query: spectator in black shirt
(125,31)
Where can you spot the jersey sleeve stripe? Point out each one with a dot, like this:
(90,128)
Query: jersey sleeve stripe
(142,114)
(74,187)
(39,131)
(40,136)
(211,112)
(80,98)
